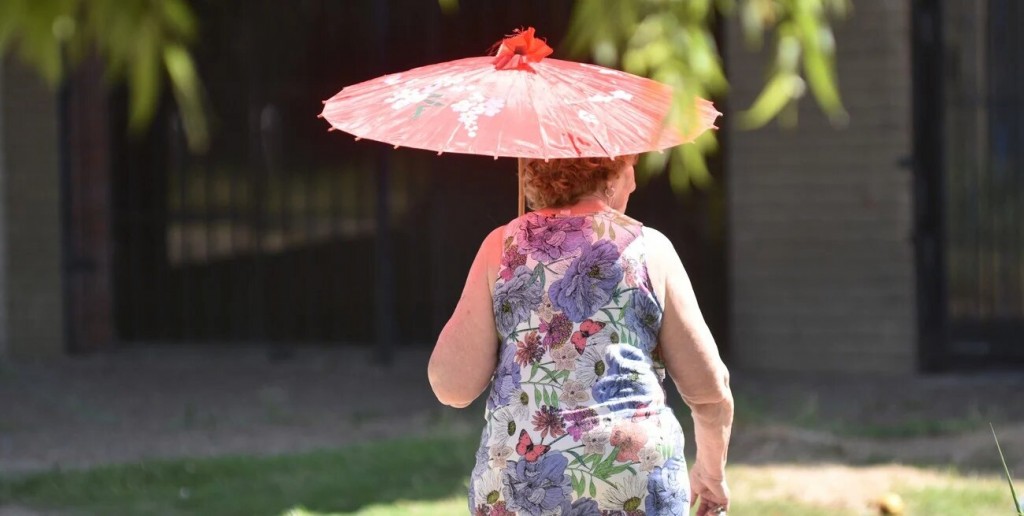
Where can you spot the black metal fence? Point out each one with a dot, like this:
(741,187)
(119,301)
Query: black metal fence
(286,233)
(983,154)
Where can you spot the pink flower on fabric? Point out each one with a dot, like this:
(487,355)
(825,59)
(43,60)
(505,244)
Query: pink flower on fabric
(498,455)
(594,441)
(629,269)
(529,350)
(548,420)
(557,330)
(565,358)
(511,260)
(630,438)
(574,392)
(546,310)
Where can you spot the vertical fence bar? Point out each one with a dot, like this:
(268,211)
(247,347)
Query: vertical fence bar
(312,245)
(338,196)
(384,319)
(210,308)
(191,218)
(929,184)
(68,248)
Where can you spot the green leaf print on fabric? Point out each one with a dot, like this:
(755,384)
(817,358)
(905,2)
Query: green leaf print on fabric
(577,458)
(603,470)
(538,274)
(577,484)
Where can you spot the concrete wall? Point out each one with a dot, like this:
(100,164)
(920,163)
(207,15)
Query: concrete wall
(822,268)
(31,301)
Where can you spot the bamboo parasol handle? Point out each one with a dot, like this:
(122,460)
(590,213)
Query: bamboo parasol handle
(522,194)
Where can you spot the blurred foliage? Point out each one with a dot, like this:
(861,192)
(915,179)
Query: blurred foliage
(145,42)
(449,6)
(673,41)
(140,42)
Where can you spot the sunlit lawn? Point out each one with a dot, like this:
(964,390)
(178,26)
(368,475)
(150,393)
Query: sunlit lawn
(405,477)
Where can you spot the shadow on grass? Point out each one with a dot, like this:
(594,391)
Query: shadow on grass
(333,481)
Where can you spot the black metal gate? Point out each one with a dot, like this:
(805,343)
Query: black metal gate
(971,134)
(285,233)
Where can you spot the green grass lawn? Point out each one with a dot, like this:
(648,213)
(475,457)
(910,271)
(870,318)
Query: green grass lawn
(403,477)
(329,481)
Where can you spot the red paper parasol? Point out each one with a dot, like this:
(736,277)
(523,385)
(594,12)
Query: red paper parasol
(515,104)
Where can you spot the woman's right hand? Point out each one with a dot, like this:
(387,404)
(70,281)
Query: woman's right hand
(711,492)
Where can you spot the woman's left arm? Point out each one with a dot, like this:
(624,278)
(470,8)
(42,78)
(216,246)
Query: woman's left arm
(466,352)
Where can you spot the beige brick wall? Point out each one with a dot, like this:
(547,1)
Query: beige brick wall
(31,323)
(822,264)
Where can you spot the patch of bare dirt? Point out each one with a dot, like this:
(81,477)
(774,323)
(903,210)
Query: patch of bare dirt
(835,486)
(969,451)
(163,402)
(867,419)
(158,402)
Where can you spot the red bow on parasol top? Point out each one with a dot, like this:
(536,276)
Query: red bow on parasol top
(518,103)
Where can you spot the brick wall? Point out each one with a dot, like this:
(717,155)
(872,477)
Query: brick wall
(31,300)
(822,269)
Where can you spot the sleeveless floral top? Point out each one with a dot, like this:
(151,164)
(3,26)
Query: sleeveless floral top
(576,417)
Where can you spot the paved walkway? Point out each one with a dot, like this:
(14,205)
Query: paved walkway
(200,401)
(196,401)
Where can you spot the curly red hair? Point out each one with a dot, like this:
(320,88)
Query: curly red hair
(556,183)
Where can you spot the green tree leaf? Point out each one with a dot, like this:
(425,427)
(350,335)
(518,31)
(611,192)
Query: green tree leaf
(142,43)
(449,6)
(673,42)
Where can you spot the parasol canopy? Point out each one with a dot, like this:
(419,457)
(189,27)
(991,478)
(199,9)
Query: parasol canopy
(518,103)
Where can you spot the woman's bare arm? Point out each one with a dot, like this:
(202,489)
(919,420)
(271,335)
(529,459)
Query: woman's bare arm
(691,356)
(466,352)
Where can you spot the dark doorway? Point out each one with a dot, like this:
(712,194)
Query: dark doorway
(970,157)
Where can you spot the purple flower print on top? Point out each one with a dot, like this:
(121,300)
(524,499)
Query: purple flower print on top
(643,316)
(580,422)
(557,331)
(584,507)
(668,490)
(507,378)
(515,299)
(549,238)
(588,283)
(538,487)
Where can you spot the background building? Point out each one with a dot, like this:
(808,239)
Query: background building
(893,244)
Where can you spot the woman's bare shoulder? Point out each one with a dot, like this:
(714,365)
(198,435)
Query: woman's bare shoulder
(658,245)
(496,238)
